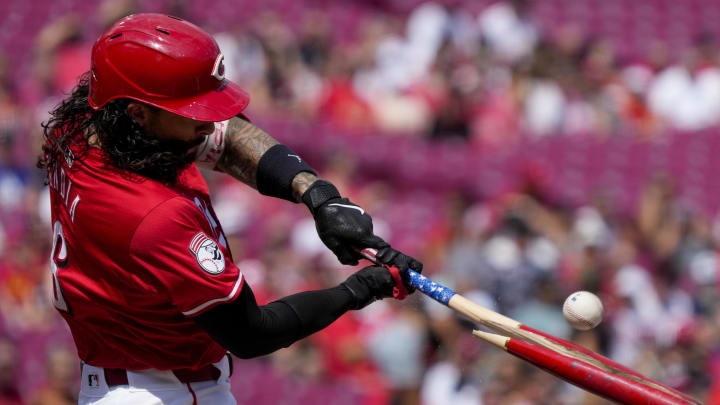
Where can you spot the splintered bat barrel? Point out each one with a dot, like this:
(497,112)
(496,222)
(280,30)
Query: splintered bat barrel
(590,378)
(610,363)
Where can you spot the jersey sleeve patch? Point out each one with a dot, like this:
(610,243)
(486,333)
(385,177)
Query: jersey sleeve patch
(207,254)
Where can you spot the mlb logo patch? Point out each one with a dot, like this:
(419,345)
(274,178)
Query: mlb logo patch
(208,254)
(93,380)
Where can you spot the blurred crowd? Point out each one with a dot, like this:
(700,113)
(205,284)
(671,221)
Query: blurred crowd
(488,78)
(440,74)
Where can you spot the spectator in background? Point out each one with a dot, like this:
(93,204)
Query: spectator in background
(9,394)
(62,55)
(545,102)
(688,95)
(315,42)
(451,121)
(61,372)
(397,347)
(340,102)
(63,51)
(455,379)
(13,118)
(508,29)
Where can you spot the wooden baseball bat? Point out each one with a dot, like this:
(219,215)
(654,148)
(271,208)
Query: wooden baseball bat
(551,353)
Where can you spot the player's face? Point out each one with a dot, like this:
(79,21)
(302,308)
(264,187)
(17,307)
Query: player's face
(174,128)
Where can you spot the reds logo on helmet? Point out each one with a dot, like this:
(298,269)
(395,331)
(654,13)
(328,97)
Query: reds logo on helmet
(208,254)
(218,71)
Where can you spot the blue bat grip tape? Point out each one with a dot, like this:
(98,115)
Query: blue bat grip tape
(436,291)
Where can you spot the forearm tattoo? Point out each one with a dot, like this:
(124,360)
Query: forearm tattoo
(301,183)
(246,144)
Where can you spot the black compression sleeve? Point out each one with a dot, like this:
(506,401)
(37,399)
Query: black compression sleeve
(248,330)
(318,309)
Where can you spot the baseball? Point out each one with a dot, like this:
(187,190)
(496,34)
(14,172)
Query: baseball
(583,310)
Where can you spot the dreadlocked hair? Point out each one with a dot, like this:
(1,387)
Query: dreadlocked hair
(65,130)
(123,140)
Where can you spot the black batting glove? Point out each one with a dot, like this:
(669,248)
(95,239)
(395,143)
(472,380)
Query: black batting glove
(403,262)
(344,227)
(369,284)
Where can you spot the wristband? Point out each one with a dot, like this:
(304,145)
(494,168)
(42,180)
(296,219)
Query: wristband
(318,194)
(277,169)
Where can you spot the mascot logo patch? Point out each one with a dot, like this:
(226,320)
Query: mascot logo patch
(208,254)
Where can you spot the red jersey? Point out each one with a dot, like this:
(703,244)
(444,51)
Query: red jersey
(133,260)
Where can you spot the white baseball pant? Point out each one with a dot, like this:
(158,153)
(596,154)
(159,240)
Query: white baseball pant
(155,387)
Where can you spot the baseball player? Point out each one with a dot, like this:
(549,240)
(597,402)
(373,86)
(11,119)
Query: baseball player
(141,268)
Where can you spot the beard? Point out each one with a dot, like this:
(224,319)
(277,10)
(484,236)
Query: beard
(142,152)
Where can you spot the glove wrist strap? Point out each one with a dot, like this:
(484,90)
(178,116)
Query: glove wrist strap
(319,193)
(399,291)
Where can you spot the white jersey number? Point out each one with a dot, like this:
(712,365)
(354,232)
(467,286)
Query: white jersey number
(58,260)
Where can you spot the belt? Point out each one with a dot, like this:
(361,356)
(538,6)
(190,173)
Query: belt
(118,376)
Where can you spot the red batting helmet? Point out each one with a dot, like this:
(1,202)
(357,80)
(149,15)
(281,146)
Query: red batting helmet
(166,62)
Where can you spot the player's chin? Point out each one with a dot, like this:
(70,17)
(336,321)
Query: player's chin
(192,147)
(174,163)
(192,152)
